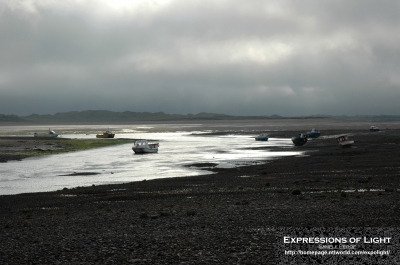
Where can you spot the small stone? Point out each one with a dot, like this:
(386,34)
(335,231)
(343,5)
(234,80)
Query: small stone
(244,202)
(296,192)
(144,215)
(165,213)
(191,213)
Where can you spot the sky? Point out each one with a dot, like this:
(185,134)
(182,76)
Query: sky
(235,57)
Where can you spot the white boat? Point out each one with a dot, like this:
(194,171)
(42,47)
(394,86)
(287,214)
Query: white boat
(374,129)
(50,134)
(343,140)
(262,137)
(143,147)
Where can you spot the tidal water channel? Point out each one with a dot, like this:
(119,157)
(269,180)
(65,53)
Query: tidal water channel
(119,164)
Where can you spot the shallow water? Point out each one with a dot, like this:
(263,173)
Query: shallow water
(118,164)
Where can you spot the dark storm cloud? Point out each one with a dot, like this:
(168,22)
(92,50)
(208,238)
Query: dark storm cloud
(233,57)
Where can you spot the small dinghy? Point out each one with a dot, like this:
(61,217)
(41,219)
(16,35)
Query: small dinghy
(262,137)
(106,134)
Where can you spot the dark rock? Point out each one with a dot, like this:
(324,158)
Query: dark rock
(191,212)
(296,192)
(165,213)
(144,215)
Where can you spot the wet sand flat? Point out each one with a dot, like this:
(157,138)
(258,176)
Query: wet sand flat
(224,218)
(18,148)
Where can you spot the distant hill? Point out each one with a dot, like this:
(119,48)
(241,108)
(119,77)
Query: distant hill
(10,118)
(101,116)
(105,116)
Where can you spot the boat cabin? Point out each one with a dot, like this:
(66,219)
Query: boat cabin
(343,140)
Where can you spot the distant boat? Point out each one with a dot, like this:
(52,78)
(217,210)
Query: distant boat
(50,134)
(374,129)
(313,133)
(106,134)
(143,147)
(343,140)
(299,140)
(262,137)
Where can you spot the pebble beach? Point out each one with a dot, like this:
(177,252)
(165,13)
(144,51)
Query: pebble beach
(229,217)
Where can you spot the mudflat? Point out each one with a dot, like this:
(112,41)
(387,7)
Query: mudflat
(18,148)
(224,218)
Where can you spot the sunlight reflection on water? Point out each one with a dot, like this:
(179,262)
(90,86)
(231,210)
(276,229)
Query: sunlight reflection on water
(118,164)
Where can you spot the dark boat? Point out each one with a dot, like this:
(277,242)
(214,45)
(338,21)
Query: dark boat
(106,134)
(262,137)
(299,140)
(313,133)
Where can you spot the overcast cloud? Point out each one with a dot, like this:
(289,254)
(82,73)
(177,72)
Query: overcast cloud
(286,57)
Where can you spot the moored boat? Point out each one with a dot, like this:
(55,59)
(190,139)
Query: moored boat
(106,134)
(374,129)
(262,137)
(299,140)
(313,133)
(50,134)
(343,140)
(144,147)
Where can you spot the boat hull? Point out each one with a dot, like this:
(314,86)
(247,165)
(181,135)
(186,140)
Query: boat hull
(346,143)
(105,135)
(139,150)
(45,135)
(299,141)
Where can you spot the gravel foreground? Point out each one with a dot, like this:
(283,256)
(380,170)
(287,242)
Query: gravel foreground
(225,218)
